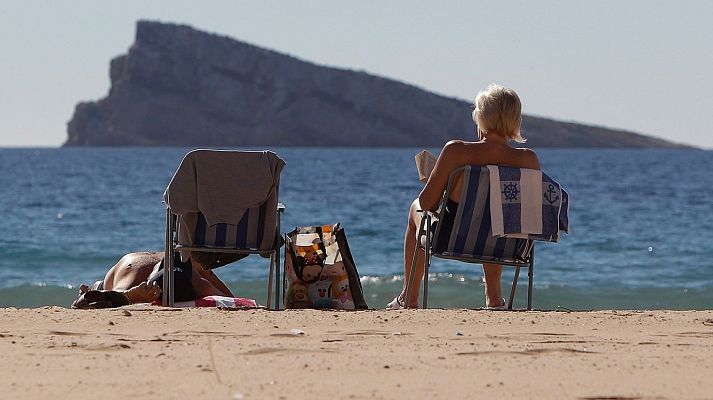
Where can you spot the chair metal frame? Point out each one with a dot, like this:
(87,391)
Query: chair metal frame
(427,218)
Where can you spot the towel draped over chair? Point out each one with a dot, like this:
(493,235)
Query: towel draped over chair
(225,199)
(500,212)
(221,206)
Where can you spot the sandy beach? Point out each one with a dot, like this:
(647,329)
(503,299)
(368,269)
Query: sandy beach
(151,352)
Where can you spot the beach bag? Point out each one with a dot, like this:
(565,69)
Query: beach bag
(320,270)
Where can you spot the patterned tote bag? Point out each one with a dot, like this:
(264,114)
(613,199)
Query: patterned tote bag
(320,270)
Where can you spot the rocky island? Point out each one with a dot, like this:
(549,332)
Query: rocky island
(178,86)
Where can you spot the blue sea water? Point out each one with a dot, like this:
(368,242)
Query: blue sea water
(642,233)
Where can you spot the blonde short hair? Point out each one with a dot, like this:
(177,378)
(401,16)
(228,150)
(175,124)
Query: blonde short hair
(497,109)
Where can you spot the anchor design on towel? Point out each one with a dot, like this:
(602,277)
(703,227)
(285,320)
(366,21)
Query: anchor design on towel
(549,194)
(510,191)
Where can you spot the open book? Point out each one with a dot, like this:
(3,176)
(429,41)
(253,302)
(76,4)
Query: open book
(425,162)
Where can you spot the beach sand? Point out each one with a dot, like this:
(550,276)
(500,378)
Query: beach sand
(152,352)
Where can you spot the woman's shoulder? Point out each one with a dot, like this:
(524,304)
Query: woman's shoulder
(526,151)
(528,158)
(454,143)
(459,151)
(458,145)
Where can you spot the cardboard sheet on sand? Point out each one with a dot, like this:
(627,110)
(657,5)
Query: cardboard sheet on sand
(147,352)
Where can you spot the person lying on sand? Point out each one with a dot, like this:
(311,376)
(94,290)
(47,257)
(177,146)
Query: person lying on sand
(138,277)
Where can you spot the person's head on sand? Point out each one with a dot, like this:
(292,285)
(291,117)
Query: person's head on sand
(497,112)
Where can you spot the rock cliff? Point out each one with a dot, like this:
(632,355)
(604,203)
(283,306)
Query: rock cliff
(178,86)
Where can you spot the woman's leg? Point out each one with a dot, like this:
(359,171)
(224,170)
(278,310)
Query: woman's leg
(493,291)
(414,222)
(201,285)
(213,279)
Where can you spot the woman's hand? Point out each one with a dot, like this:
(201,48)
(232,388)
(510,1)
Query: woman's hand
(143,293)
(433,191)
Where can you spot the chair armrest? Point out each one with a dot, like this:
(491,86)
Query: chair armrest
(426,217)
(280,207)
(433,214)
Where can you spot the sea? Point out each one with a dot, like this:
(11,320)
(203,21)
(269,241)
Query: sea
(641,224)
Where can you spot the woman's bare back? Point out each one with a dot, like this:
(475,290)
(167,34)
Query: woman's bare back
(459,153)
(480,153)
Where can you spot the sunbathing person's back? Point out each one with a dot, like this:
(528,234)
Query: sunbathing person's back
(131,270)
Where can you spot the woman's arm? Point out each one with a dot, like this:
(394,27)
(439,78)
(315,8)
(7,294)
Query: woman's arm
(437,182)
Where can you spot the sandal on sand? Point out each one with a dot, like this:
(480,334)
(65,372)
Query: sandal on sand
(396,304)
(117,299)
(496,308)
(100,299)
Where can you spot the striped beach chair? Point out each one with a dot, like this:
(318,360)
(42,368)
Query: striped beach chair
(470,238)
(215,238)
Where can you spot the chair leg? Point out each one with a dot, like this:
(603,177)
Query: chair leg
(167,299)
(269,281)
(278,259)
(426,259)
(166,249)
(530,273)
(277,280)
(514,287)
(284,272)
(530,278)
(426,267)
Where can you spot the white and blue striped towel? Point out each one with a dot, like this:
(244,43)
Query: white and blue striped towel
(527,204)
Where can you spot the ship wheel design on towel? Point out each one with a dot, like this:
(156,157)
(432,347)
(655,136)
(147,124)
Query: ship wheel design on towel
(510,191)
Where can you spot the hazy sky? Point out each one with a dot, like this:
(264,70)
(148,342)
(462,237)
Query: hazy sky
(640,65)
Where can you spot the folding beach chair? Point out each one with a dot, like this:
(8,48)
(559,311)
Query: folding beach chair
(221,206)
(471,239)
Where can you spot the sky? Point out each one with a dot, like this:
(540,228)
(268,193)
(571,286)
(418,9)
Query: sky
(643,66)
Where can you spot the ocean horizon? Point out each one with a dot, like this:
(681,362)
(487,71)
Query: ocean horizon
(640,235)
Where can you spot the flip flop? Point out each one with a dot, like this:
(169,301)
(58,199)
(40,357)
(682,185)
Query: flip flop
(94,299)
(501,307)
(117,299)
(395,304)
(99,304)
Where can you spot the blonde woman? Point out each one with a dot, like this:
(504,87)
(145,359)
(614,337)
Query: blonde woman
(497,115)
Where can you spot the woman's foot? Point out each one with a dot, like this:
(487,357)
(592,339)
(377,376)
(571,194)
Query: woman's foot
(396,304)
(493,292)
(495,305)
(493,296)
(83,289)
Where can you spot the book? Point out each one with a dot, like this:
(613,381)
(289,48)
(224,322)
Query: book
(425,162)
